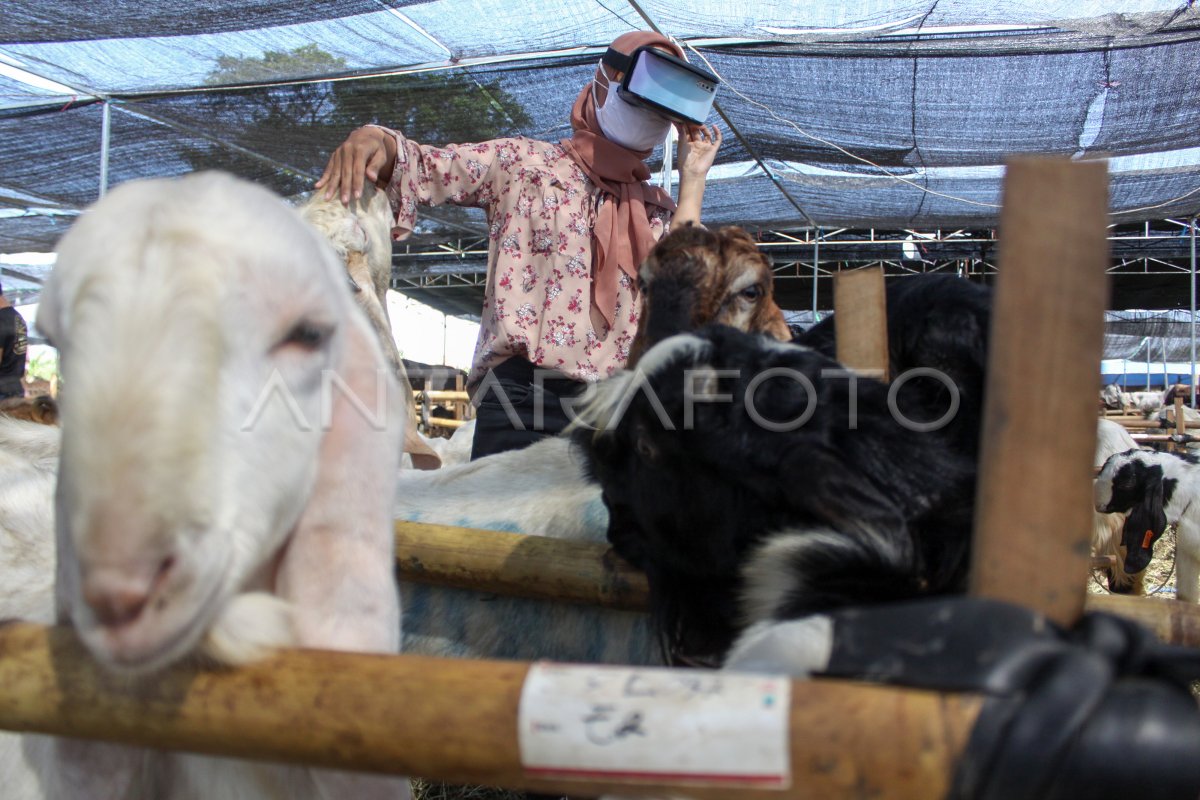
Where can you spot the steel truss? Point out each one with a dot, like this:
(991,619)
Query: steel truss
(1148,248)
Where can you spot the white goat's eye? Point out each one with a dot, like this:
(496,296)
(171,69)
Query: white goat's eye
(307,335)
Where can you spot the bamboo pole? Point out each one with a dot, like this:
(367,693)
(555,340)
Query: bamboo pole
(445,719)
(1164,437)
(1032,515)
(1152,424)
(445,422)
(589,573)
(1171,620)
(441,395)
(860,321)
(516,564)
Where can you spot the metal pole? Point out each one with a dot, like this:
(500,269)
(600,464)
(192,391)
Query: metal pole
(1164,355)
(1193,325)
(816,260)
(668,159)
(105,133)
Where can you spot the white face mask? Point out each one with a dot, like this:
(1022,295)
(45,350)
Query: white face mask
(628,125)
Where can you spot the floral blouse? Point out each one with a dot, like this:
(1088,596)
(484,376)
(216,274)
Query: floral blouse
(541,209)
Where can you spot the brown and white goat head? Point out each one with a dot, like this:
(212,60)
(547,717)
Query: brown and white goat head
(696,276)
(361,236)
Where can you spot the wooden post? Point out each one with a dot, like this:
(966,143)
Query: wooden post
(560,570)
(1180,425)
(1171,620)
(446,719)
(860,321)
(1033,509)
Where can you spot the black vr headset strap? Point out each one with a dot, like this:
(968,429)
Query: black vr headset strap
(618,60)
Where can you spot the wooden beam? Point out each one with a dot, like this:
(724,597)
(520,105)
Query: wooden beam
(1152,424)
(1171,620)
(588,573)
(1033,506)
(441,396)
(515,564)
(860,321)
(446,719)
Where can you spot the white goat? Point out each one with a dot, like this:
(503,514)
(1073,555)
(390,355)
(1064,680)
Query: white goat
(28,462)
(453,450)
(361,235)
(1156,489)
(1112,438)
(228,458)
(540,490)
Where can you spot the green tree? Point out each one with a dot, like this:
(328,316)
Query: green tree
(296,126)
(273,65)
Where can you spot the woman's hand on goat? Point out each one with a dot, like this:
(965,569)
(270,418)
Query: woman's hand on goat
(368,151)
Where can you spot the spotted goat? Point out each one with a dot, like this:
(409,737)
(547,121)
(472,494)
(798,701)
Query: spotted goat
(1155,489)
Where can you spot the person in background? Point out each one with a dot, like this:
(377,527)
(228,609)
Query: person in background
(13,344)
(569,224)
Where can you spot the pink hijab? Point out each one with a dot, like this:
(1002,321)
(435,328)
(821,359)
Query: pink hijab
(622,237)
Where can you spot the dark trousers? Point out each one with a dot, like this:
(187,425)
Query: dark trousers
(11,387)
(518,405)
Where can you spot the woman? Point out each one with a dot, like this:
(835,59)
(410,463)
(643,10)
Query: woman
(569,224)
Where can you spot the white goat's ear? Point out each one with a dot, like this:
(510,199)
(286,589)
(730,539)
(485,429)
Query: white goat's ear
(337,567)
(423,456)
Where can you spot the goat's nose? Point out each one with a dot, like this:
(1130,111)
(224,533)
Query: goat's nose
(118,595)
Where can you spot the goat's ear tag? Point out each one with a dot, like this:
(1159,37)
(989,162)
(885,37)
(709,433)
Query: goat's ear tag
(1147,540)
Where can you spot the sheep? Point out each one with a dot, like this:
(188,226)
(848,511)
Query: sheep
(728,451)
(695,276)
(42,409)
(1110,397)
(1147,403)
(1166,416)
(361,235)
(540,490)
(455,449)
(1155,489)
(227,462)
(29,464)
(1112,438)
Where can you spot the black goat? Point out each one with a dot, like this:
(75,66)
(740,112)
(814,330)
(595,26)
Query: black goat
(938,322)
(705,471)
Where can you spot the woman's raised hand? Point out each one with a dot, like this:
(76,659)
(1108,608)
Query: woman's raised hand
(698,147)
(369,152)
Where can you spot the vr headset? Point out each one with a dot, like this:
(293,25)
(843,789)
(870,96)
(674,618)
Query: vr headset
(663,83)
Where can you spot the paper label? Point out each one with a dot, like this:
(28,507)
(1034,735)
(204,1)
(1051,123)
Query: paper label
(694,727)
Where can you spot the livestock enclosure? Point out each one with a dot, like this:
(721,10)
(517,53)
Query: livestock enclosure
(375,712)
(1050,151)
